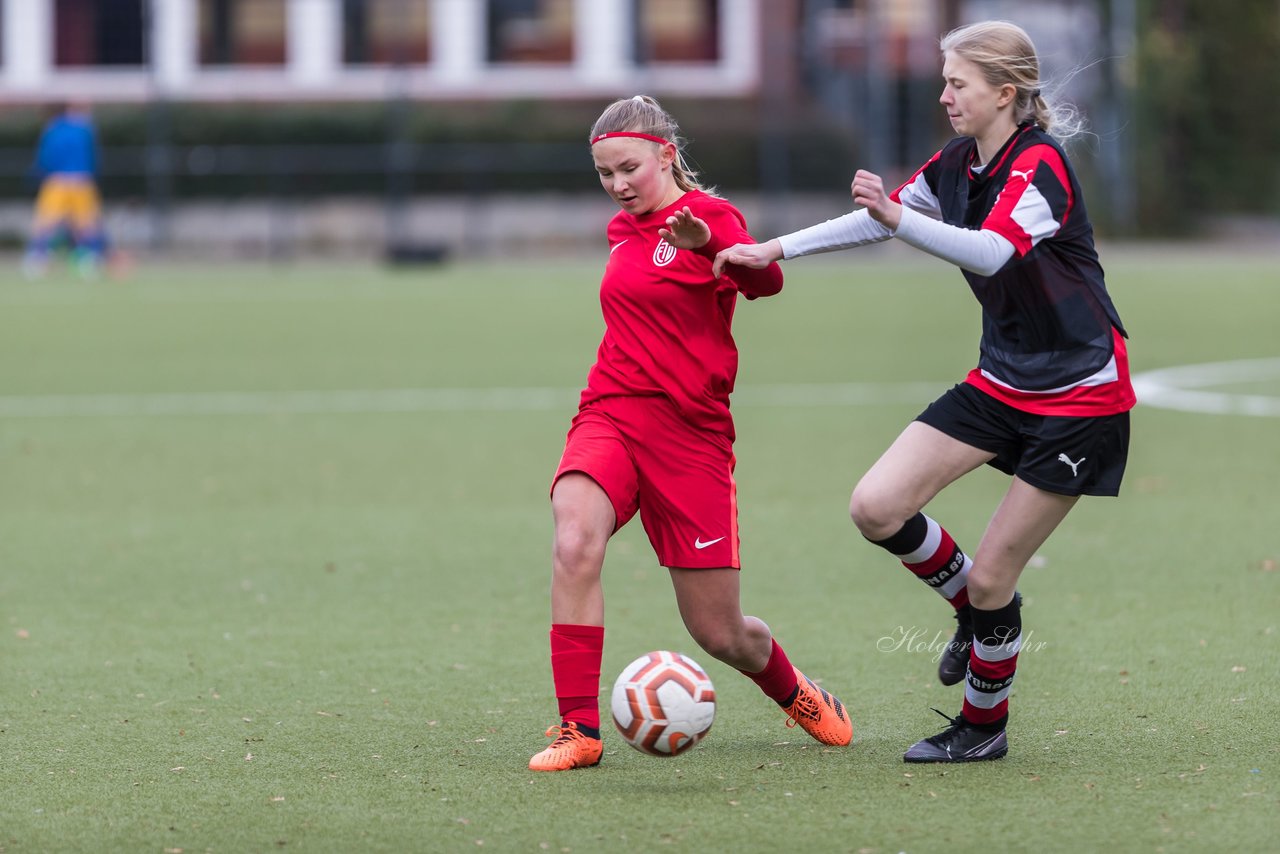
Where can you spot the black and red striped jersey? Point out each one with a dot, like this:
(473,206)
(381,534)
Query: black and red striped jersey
(1052,341)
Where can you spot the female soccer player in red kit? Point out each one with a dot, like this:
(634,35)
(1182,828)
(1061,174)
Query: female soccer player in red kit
(653,434)
(1049,400)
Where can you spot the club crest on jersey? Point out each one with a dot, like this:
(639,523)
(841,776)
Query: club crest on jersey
(663,254)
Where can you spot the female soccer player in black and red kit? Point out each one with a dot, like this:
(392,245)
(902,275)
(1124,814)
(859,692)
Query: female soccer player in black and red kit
(1048,402)
(653,434)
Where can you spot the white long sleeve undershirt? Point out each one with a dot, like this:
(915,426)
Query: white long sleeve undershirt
(982,252)
(843,232)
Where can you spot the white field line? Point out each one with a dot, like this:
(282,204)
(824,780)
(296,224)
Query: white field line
(1181,388)
(424,400)
(1188,388)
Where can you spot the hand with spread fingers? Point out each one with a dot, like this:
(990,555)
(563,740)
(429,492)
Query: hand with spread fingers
(685,231)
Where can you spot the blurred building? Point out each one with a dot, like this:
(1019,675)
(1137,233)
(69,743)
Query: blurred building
(358,49)
(871,63)
(811,89)
(352,49)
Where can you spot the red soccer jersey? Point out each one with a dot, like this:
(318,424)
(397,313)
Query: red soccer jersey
(667,319)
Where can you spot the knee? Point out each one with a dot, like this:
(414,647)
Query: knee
(979,587)
(989,592)
(874,512)
(717,641)
(578,548)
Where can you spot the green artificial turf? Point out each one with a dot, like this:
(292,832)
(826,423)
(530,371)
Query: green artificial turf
(234,617)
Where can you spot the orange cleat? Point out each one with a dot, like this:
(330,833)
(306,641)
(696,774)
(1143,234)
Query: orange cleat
(820,714)
(572,748)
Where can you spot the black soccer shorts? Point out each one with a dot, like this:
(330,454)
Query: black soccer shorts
(1069,455)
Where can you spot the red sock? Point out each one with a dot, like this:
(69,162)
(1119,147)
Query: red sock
(778,679)
(575,669)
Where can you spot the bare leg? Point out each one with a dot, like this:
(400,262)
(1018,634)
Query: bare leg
(711,610)
(1021,524)
(584,521)
(916,467)
(709,604)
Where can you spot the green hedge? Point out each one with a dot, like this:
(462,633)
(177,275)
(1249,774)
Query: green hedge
(507,146)
(1208,127)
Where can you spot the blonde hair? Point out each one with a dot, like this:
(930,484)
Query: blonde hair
(1006,56)
(643,114)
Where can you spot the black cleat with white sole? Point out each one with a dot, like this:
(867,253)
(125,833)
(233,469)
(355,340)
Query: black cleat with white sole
(960,742)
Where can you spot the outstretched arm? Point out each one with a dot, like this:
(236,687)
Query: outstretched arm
(686,231)
(979,251)
(751,256)
(844,232)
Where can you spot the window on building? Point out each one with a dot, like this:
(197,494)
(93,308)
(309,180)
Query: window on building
(242,32)
(98,32)
(683,31)
(531,30)
(386,32)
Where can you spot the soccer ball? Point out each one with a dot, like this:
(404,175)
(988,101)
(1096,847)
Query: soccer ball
(663,703)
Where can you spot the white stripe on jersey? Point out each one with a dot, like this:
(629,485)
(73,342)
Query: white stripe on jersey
(1107,374)
(1033,214)
(919,197)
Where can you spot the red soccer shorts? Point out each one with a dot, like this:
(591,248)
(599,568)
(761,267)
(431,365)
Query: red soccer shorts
(647,457)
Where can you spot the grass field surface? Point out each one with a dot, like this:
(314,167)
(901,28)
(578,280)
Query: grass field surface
(274,563)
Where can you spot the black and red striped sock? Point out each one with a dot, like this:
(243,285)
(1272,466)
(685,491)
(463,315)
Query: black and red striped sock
(993,660)
(925,548)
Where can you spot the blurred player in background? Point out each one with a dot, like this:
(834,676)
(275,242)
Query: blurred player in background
(654,434)
(1048,402)
(67,205)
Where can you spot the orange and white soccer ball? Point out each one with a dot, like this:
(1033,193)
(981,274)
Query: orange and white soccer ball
(663,703)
